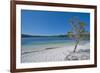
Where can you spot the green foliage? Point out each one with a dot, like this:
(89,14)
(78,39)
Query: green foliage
(70,34)
(78,28)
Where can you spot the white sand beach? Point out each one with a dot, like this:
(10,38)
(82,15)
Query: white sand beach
(56,53)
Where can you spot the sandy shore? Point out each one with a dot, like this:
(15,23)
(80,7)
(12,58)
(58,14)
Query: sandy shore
(57,53)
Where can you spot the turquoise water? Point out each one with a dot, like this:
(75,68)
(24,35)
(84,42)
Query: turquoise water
(44,40)
(36,41)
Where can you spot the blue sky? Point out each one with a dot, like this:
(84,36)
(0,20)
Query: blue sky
(49,22)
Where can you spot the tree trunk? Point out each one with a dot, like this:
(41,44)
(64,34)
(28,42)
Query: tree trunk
(76,45)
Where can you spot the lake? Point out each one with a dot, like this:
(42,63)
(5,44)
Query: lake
(44,40)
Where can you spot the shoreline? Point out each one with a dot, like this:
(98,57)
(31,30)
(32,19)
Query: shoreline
(55,53)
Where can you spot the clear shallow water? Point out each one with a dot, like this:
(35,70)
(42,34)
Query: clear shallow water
(48,41)
(44,40)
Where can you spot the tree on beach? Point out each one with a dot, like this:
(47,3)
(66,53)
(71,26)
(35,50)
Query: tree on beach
(78,29)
